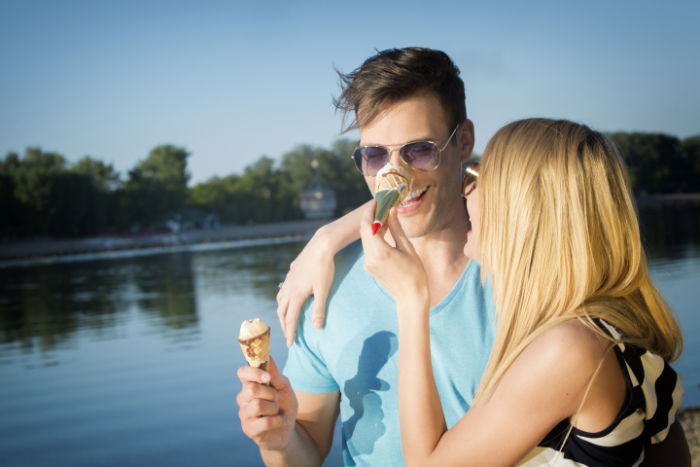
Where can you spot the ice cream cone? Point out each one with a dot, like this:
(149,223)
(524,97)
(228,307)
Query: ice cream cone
(254,338)
(391,187)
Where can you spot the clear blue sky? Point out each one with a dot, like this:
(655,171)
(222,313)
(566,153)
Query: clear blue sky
(232,81)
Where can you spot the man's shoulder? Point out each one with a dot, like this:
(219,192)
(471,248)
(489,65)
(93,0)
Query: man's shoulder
(349,269)
(349,255)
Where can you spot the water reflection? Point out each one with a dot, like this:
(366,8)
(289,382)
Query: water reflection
(42,307)
(257,270)
(166,291)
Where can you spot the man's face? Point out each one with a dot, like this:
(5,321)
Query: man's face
(436,199)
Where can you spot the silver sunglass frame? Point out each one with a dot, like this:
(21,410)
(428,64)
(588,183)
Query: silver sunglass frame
(401,146)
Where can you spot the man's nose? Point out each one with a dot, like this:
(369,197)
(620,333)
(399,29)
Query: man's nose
(395,158)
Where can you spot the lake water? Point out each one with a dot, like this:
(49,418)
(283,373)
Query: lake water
(132,361)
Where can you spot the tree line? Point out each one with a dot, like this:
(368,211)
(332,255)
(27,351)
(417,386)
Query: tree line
(42,194)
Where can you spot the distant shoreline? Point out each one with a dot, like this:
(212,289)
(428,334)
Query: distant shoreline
(52,250)
(666,199)
(49,250)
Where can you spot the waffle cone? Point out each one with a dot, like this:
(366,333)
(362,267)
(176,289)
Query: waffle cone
(257,349)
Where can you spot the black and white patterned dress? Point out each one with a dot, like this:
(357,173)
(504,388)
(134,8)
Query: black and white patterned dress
(654,394)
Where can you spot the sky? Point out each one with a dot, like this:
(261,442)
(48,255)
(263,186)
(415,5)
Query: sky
(231,81)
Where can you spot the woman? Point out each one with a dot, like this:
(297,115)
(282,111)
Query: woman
(579,365)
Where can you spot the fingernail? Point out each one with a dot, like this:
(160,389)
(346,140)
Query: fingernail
(265,378)
(317,323)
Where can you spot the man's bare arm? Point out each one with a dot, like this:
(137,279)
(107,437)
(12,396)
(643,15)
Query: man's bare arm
(312,437)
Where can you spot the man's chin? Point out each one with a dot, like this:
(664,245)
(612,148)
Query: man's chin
(414,228)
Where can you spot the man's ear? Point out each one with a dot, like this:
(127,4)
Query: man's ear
(465,139)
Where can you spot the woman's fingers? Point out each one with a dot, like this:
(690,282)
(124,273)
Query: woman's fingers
(291,318)
(318,315)
(398,234)
(282,304)
(366,226)
(368,216)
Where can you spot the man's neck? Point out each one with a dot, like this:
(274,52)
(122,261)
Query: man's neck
(444,262)
(442,254)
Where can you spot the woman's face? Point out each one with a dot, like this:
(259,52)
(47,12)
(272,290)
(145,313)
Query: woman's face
(471,248)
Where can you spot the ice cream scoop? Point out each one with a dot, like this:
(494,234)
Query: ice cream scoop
(254,338)
(391,187)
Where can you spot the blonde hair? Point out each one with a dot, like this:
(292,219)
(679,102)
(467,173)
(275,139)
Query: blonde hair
(560,240)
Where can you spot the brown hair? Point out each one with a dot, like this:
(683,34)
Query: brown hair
(396,74)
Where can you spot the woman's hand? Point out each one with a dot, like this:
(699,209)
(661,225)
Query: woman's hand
(311,273)
(397,268)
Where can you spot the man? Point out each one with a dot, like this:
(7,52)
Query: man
(403,96)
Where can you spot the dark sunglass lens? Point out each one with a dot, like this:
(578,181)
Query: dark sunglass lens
(372,158)
(357,158)
(421,155)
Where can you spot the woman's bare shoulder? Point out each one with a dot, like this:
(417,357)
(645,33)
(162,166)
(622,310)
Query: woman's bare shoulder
(571,344)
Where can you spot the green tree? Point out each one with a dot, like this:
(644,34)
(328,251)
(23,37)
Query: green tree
(45,197)
(156,187)
(79,205)
(9,207)
(93,195)
(34,182)
(691,147)
(657,162)
(220,195)
(266,193)
(165,165)
(103,175)
(31,175)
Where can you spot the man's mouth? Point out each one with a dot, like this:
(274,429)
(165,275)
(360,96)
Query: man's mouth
(413,199)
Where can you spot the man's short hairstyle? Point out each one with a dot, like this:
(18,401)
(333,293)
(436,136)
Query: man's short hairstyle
(393,75)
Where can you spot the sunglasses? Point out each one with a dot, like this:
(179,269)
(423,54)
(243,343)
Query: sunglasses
(421,155)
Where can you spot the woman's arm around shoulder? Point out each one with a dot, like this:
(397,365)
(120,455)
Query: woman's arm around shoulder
(544,385)
(311,273)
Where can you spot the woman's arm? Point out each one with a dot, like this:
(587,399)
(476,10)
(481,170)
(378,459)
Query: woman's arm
(311,273)
(543,386)
(420,412)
